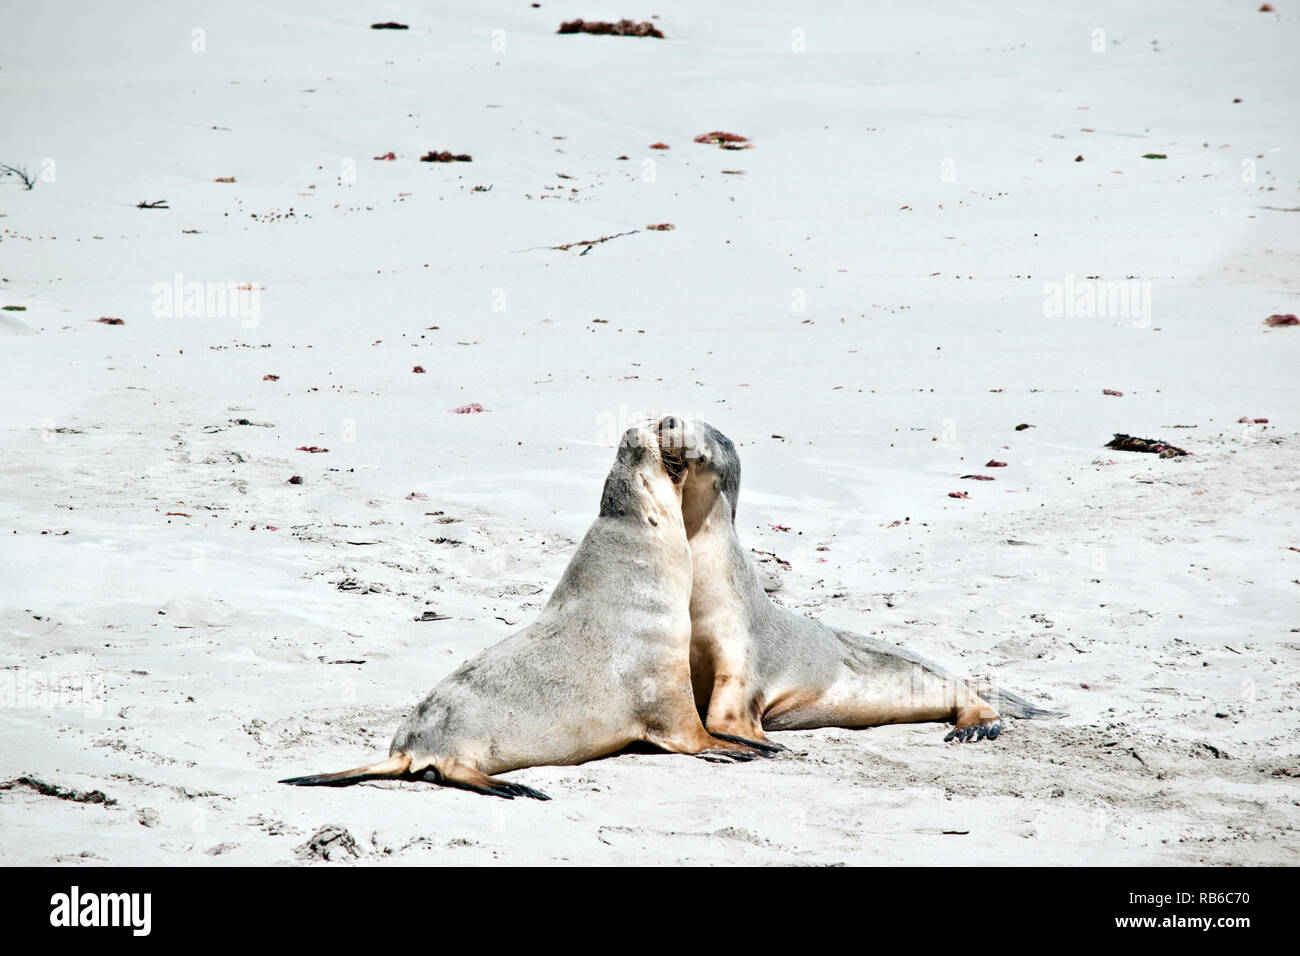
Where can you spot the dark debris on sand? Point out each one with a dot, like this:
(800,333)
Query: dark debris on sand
(624,28)
(62,793)
(331,842)
(1130,443)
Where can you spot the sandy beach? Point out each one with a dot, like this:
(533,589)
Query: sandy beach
(945,225)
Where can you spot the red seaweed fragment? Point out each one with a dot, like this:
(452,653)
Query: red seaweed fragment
(724,140)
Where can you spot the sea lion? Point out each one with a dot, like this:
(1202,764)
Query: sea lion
(606,664)
(757,666)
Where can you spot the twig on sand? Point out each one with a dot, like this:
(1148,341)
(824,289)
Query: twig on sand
(781,561)
(585,242)
(24,177)
(156,204)
(592,242)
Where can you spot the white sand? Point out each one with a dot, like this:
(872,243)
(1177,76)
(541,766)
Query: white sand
(912,183)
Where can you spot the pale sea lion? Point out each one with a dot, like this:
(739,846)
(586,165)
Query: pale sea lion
(757,666)
(606,664)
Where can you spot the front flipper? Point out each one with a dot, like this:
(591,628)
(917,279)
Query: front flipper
(705,746)
(735,714)
(767,748)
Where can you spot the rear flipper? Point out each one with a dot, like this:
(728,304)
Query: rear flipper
(868,654)
(1010,705)
(468,778)
(975,732)
(398,765)
(982,718)
(975,720)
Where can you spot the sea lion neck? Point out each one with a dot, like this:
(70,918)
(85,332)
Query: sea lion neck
(704,507)
(618,498)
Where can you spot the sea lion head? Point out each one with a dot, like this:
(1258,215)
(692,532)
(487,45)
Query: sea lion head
(709,464)
(642,484)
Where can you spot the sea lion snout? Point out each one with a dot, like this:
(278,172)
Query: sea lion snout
(672,446)
(672,435)
(687,437)
(639,436)
(640,444)
(643,463)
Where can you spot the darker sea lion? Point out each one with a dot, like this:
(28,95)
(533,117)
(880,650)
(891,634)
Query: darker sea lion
(606,664)
(757,666)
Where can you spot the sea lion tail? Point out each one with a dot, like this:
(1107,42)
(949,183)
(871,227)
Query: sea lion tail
(1010,705)
(398,765)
